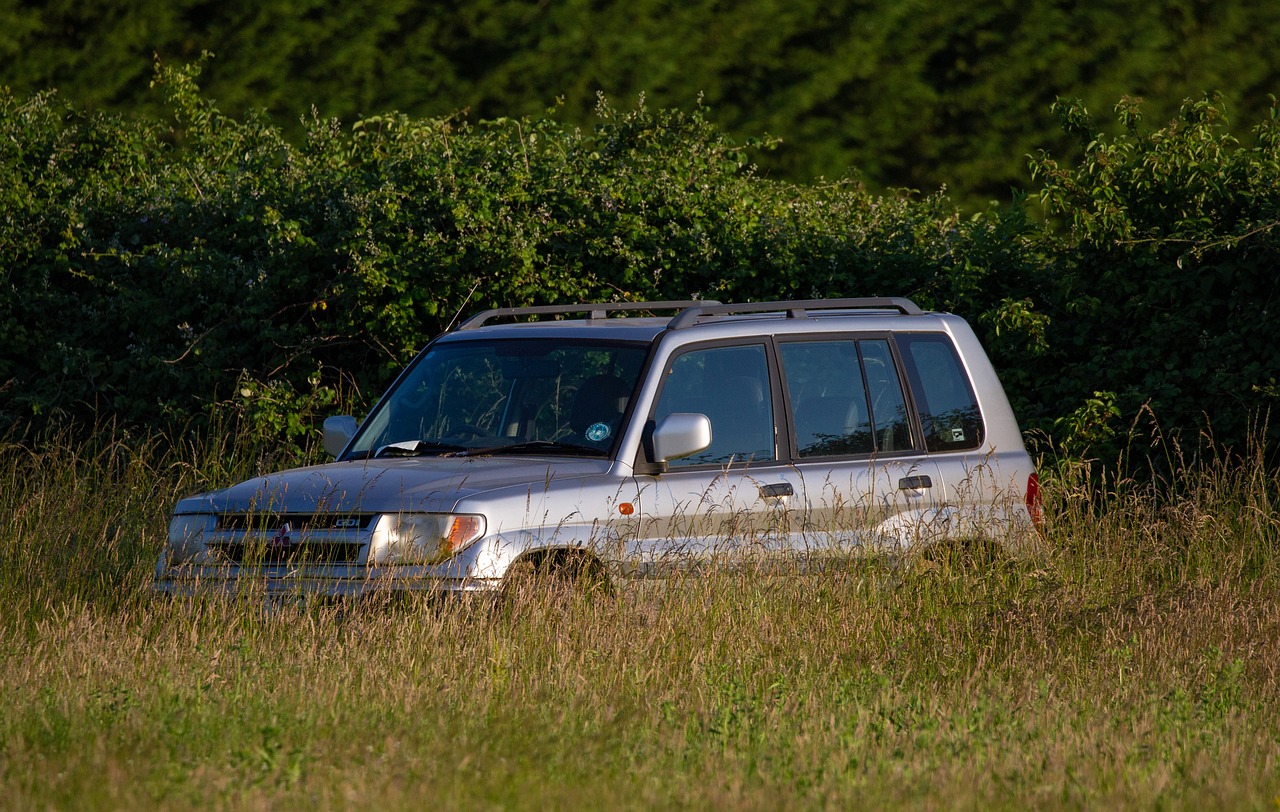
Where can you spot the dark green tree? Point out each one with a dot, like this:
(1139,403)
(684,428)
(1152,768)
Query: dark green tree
(913,95)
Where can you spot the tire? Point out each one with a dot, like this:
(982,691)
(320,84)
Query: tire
(557,575)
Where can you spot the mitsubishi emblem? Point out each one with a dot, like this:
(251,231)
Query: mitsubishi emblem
(281,541)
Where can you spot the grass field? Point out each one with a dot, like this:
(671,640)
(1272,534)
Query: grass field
(1134,663)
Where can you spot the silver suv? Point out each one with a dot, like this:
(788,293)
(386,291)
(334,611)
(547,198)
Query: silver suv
(604,439)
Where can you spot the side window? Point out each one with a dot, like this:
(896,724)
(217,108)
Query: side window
(846,397)
(944,397)
(730,385)
(828,398)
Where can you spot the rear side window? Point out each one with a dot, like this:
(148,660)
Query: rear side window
(846,397)
(944,397)
(828,398)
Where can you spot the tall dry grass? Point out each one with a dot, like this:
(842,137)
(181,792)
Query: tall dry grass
(84,519)
(1132,663)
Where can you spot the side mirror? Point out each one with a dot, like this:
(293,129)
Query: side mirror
(679,435)
(338,431)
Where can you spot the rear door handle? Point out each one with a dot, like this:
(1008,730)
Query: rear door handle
(777,489)
(914,483)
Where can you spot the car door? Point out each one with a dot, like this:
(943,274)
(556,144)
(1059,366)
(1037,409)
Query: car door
(975,496)
(865,481)
(733,499)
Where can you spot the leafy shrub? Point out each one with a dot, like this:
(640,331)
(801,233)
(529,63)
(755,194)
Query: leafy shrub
(154,268)
(1164,268)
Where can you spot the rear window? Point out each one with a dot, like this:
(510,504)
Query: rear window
(944,397)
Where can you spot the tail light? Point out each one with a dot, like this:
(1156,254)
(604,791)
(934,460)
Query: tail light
(1034,505)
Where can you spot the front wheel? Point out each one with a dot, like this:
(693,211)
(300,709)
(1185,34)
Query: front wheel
(558,575)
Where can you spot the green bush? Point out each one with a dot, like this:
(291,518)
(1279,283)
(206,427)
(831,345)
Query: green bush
(154,269)
(1164,268)
(154,266)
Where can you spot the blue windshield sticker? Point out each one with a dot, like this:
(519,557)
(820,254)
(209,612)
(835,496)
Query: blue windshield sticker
(597,432)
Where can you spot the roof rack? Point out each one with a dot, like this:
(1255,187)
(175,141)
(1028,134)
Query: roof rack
(694,310)
(794,310)
(595,311)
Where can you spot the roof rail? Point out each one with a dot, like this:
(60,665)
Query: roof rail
(595,311)
(794,310)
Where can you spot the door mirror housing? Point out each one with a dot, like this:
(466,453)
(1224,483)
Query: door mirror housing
(338,431)
(680,434)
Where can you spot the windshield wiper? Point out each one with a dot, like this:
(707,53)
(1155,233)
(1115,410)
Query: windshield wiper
(416,448)
(535,447)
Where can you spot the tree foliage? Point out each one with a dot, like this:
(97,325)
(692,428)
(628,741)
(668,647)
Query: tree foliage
(912,95)
(151,269)
(1165,285)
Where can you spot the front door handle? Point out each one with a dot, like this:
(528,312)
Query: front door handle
(914,483)
(777,489)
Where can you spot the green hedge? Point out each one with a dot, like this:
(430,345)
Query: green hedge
(154,268)
(1165,267)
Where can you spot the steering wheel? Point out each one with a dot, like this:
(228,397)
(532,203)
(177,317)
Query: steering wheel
(469,430)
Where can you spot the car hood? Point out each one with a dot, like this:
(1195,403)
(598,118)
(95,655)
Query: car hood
(389,485)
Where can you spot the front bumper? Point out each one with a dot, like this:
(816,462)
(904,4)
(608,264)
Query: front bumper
(283,581)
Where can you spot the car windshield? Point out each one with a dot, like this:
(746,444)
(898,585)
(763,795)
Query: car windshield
(510,396)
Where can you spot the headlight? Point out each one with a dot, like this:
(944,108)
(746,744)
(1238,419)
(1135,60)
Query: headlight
(186,536)
(423,538)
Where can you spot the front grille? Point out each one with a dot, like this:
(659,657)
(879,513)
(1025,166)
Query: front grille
(306,552)
(300,522)
(284,538)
